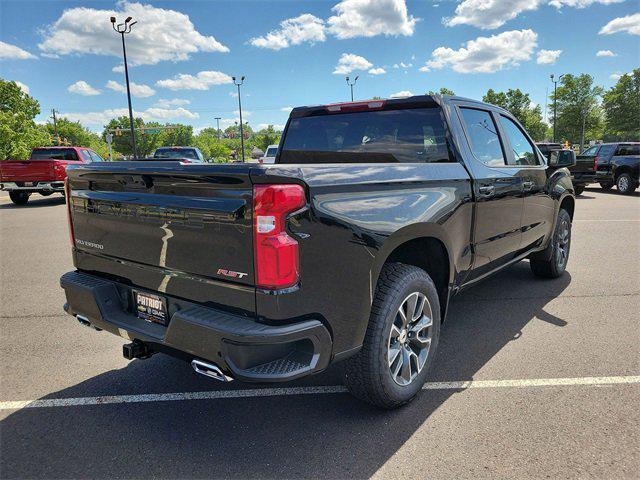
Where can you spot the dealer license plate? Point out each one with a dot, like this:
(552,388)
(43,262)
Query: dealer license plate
(151,307)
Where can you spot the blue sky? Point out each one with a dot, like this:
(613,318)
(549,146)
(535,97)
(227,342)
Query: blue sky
(184,52)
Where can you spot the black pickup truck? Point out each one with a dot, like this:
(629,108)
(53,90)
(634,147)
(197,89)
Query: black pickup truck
(348,248)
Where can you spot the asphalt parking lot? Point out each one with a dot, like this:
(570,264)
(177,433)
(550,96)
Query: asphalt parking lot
(537,378)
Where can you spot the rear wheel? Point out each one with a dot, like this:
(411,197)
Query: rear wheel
(19,197)
(626,184)
(579,189)
(606,186)
(401,339)
(553,261)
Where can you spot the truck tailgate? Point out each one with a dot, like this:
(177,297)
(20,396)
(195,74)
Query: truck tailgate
(584,165)
(26,170)
(188,221)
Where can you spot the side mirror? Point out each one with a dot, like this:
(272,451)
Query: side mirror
(562,158)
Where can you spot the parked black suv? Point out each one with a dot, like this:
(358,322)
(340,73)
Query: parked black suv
(348,248)
(618,164)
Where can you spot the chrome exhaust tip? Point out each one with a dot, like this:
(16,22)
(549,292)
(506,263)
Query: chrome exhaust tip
(210,370)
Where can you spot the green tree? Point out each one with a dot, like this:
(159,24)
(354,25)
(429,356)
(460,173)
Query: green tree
(579,116)
(520,106)
(212,147)
(18,131)
(442,91)
(265,137)
(145,143)
(621,105)
(178,135)
(77,135)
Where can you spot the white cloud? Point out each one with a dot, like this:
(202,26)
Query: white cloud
(83,88)
(22,86)
(486,54)
(402,65)
(606,53)
(161,34)
(276,126)
(401,94)
(293,31)
(49,55)
(377,71)
(233,94)
(368,18)
(581,3)
(174,102)
(349,62)
(201,81)
(118,69)
(489,14)
(137,90)
(286,109)
(617,75)
(628,24)
(150,114)
(11,52)
(548,57)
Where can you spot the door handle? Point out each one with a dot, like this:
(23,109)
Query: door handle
(527,185)
(486,190)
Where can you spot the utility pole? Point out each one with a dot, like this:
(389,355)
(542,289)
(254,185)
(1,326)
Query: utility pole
(555,103)
(123,28)
(218,122)
(237,84)
(55,123)
(352,84)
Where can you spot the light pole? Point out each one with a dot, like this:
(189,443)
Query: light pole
(352,84)
(218,122)
(237,84)
(555,102)
(123,28)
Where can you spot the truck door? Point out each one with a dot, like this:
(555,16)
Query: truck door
(538,208)
(497,189)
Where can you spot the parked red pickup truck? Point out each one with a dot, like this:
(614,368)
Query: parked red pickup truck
(43,173)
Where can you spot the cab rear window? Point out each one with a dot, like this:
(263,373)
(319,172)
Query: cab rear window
(383,136)
(54,154)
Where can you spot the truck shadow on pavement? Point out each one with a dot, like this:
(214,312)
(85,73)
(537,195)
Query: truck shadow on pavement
(36,201)
(319,436)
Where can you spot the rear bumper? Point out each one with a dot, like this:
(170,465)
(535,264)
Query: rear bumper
(239,345)
(47,186)
(584,178)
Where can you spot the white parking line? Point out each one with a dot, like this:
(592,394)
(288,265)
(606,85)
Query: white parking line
(272,392)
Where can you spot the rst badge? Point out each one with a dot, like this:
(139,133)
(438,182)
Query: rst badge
(231,273)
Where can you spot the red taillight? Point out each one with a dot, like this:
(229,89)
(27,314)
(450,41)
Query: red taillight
(277,261)
(59,171)
(595,164)
(67,195)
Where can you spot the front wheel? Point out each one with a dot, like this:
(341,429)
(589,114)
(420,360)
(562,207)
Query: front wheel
(626,184)
(606,186)
(579,189)
(401,339)
(19,197)
(552,262)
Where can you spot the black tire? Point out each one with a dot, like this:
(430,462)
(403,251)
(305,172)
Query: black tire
(552,262)
(19,197)
(45,193)
(625,184)
(368,374)
(579,189)
(606,186)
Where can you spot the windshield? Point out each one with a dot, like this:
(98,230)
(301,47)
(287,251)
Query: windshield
(271,152)
(175,153)
(54,154)
(383,136)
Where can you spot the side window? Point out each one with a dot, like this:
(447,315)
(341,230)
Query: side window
(86,157)
(483,137)
(628,150)
(95,157)
(523,151)
(590,152)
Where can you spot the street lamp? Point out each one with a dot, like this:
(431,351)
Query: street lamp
(555,102)
(218,122)
(123,28)
(352,84)
(237,84)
